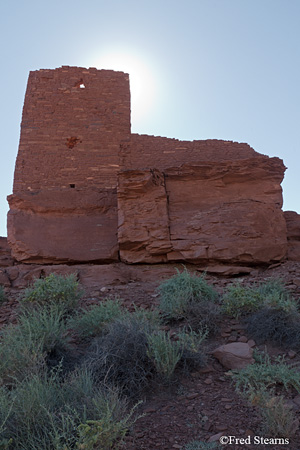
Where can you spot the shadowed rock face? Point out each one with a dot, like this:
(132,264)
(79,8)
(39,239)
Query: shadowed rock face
(293,234)
(64,226)
(229,212)
(87,190)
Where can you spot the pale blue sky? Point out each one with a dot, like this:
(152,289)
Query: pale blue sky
(201,69)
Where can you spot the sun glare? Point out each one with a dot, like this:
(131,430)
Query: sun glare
(143,86)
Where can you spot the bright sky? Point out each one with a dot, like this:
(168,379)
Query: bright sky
(200,69)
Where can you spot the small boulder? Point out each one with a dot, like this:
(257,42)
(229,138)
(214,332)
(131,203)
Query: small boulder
(235,355)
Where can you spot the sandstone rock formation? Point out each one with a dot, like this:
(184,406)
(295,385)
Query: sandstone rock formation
(293,235)
(5,253)
(230,211)
(64,226)
(143,228)
(87,190)
(235,355)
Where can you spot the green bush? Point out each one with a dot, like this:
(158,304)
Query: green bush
(272,294)
(276,295)
(92,322)
(35,415)
(191,343)
(149,316)
(17,356)
(44,327)
(108,431)
(25,346)
(240,300)
(190,297)
(191,339)
(257,382)
(277,417)
(54,289)
(164,352)
(263,374)
(45,413)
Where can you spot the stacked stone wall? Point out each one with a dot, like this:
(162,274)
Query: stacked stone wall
(161,153)
(73,122)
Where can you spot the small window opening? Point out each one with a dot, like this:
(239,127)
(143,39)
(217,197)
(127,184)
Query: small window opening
(80,84)
(72,185)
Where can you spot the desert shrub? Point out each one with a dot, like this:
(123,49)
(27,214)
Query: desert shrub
(191,339)
(263,374)
(33,418)
(92,322)
(24,346)
(108,431)
(201,445)
(193,355)
(275,326)
(44,413)
(240,300)
(2,294)
(276,296)
(43,327)
(257,382)
(120,356)
(54,289)
(17,356)
(277,417)
(190,297)
(150,316)
(164,353)
(203,314)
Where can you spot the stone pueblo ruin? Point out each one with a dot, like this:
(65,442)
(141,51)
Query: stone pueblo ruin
(87,190)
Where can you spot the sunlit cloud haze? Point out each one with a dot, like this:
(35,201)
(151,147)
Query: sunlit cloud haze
(199,69)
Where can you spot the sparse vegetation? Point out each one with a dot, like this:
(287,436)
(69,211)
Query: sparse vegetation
(164,352)
(276,296)
(25,345)
(150,316)
(52,400)
(265,374)
(278,418)
(193,355)
(51,414)
(257,382)
(241,300)
(106,433)
(93,322)
(54,289)
(189,297)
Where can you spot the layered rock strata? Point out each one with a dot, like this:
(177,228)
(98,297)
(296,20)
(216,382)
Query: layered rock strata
(209,212)
(64,226)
